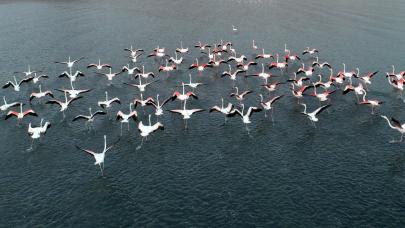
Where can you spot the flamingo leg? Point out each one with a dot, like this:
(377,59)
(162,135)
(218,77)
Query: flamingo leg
(121,128)
(32,145)
(101,169)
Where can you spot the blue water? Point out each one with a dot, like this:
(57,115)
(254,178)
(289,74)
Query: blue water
(286,174)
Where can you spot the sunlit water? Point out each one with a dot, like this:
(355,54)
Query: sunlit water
(343,173)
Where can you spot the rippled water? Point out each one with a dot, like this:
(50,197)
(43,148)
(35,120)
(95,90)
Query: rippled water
(343,173)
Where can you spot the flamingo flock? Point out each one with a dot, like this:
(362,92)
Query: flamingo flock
(259,75)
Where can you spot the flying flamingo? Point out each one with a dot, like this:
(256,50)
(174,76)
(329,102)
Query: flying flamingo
(6,105)
(267,105)
(35,132)
(99,157)
(40,94)
(186,113)
(312,115)
(69,63)
(124,118)
(63,104)
(146,130)
(89,118)
(98,65)
(224,110)
(16,85)
(20,115)
(396,125)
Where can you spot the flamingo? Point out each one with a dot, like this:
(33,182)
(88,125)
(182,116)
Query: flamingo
(73,93)
(254,46)
(201,46)
(63,104)
(293,57)
(200,68)
(279,65)
(98,65)
(107,103)
(312,115)
(183,96)
(240,96)
(324,96)
(298,82)
(245,116)
(133,52)
(396,125)
(231,75)
(146,130)
(144,74)
(358,90)
(110,76)
(99,157)
(143,102)
(372,103)
(40,94)
(72,77)
(193,85)
(320,65)
(398,76)
(20,115)
(367,78)
(176,60)
(140,86)
(90,118)
(298,93)
(271,87)
(186,113)
(267,105)
(308,71)
(35,132)
(6,105)
(181,49)
(134,59)
(28,72)
(124,118)
(348,74)
(262,74)
(16,85)
(237,59)
(245,67)
(167,68)
(234,29)
(216,63)
(70,63)
(264,55)
(224,110)
(158,106)
(36,77)
(310,51)
(131,71)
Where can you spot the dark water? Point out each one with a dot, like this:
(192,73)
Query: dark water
(344,173)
